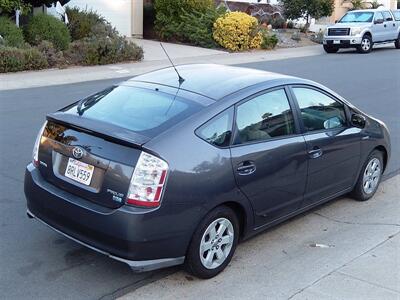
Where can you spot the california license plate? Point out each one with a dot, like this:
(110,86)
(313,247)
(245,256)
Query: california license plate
(79,171)
(336,42)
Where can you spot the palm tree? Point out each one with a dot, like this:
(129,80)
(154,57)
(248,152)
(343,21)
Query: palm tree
(356,4)
(375,4)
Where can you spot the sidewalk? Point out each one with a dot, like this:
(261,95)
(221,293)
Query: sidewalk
(360,258)
(154,59)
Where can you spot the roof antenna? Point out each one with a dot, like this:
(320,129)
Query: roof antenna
(180,78)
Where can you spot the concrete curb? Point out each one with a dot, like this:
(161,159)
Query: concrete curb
(20,80)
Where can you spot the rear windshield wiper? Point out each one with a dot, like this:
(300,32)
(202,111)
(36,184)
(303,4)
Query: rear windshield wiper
(88,102)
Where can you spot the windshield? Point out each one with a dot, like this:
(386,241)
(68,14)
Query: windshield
(147,112)
(357,17)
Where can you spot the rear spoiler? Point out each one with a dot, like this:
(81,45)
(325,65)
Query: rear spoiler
(101,129)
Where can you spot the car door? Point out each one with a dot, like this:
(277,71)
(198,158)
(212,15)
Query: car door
(379,30)
(390,26)
(333,145)
(269,156)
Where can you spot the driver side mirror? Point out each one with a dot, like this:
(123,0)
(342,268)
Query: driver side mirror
(336,21)
(358,120)
(378,21)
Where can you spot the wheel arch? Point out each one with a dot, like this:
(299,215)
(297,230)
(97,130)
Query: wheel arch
(384,152)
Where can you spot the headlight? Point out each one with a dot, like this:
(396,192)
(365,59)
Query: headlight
(356,31)
(326,31)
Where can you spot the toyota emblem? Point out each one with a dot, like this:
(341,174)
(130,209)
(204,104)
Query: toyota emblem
(77,152)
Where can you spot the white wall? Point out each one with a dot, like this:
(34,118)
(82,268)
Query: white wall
(117,12)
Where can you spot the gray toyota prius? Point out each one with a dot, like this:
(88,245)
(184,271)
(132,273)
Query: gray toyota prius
(177,165)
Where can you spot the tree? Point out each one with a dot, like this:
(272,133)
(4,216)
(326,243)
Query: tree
(48,3)
(375,4)
(8,7)
(295,9)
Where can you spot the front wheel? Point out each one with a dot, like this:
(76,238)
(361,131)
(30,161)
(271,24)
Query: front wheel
(366,45)
(331,49)
(369,178)
(213,243)
(397,42)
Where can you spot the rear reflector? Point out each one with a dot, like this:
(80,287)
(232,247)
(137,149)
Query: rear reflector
(148,181)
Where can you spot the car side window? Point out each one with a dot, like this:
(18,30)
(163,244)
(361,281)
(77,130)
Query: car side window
(264,117)
(378,16)
(218,130)
(319,111)
(387,16)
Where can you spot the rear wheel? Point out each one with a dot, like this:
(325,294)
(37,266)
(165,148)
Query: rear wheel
(369,178)
(397,42)
(331,49)
(213,243)
(366,45)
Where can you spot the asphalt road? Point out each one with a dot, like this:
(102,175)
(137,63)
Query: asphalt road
(38,263)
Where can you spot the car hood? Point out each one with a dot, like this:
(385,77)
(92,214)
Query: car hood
(350,25)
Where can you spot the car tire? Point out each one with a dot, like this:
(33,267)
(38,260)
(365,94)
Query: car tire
(221,243)
(331,49)
(366,45)
(369,178)
(397,42)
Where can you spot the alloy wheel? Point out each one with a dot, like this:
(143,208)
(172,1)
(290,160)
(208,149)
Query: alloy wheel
(216,243)
(372,175)
(366,44)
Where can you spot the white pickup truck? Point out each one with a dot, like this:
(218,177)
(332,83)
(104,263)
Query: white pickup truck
(361,29)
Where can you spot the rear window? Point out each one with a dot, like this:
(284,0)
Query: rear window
(147,112)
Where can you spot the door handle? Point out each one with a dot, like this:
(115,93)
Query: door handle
(246,168)
(385,25)
(315,152)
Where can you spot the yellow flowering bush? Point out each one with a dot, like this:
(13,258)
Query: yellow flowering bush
(237,31)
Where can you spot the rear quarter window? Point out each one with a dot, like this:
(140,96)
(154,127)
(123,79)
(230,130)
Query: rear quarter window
(218,130)
(396,15)
(145,111)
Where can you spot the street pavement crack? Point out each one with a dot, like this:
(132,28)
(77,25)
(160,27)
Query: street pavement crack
(342,266)
(355,223)
(368,282)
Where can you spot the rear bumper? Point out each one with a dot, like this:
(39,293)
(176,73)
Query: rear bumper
(137,237)
(136,265)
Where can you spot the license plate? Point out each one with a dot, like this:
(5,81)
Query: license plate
(336,42)
(79,171)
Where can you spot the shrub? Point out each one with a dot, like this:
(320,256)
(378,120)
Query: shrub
(11,34)
(278,23)
(54,58)
(318,37)
(296,36)
(290,25)
(15,59)
(169,14)
(88,23)
(45,27)
(197,27)
(236,30)
(269,41)
(102,50)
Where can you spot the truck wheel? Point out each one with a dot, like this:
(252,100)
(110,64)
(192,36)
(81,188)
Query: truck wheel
(213,243)
(397,42)
(366,45)
(331,49)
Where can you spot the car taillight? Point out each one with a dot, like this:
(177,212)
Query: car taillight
(148,181)
(35,152)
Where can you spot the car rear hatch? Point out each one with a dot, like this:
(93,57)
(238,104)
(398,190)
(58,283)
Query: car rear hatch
(109,158)
(91,148)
